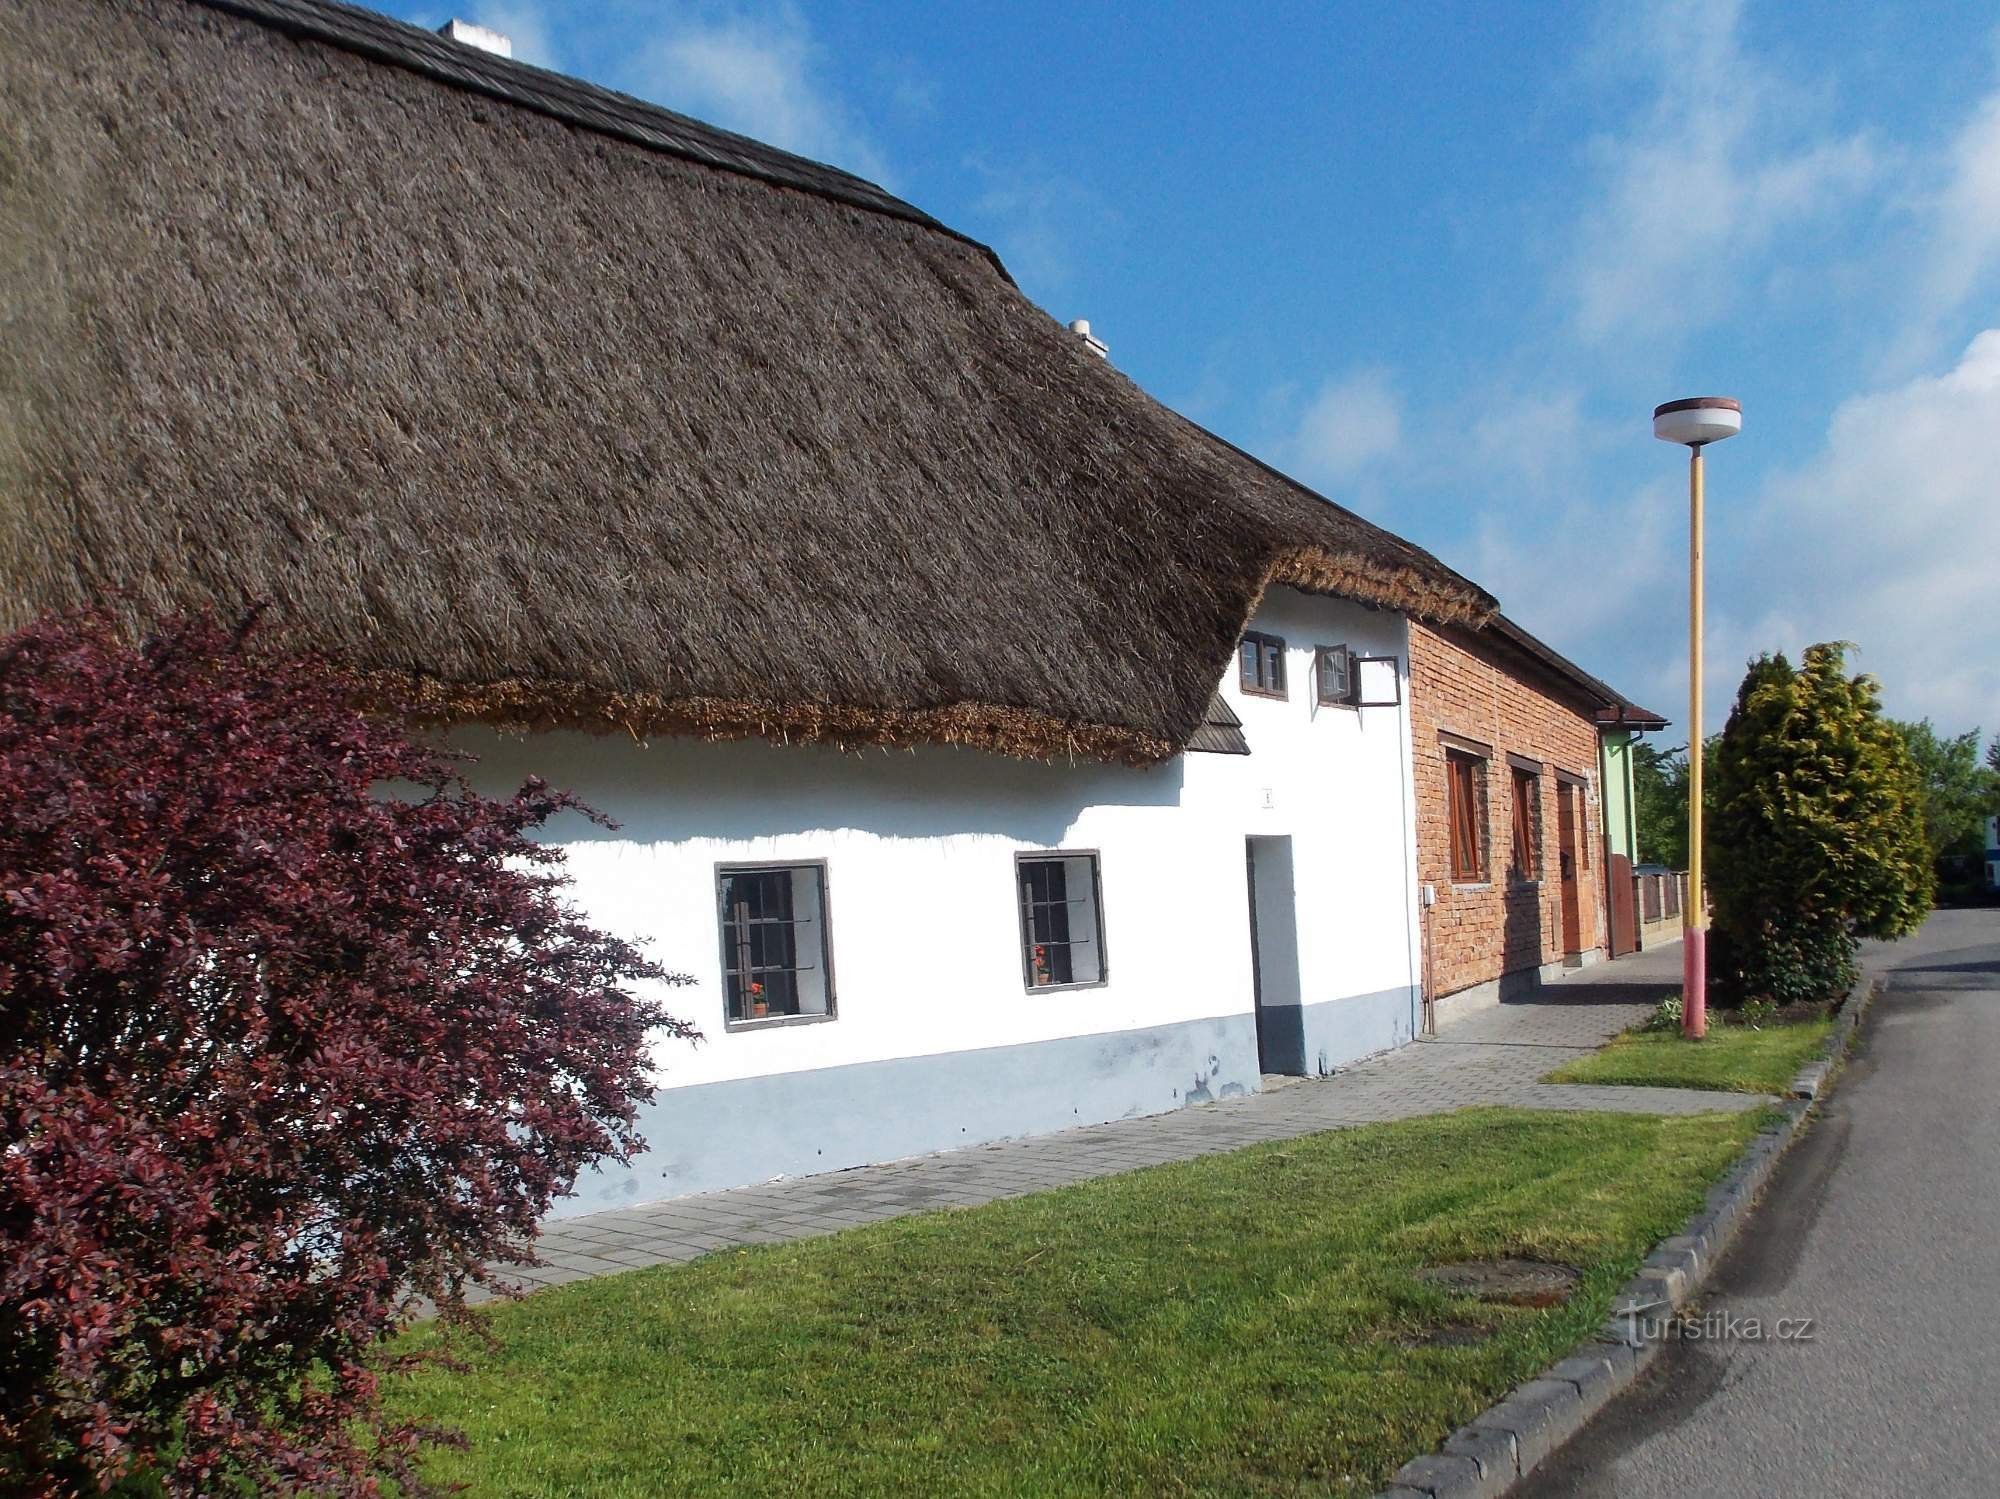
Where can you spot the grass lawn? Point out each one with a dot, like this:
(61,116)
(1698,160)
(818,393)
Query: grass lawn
(1731,1058)
(1245,1323)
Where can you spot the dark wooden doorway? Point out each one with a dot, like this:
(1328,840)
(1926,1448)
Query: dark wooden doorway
(1620,902)
(1566,843)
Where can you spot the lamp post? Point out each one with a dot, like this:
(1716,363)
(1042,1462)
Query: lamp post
(1697,422)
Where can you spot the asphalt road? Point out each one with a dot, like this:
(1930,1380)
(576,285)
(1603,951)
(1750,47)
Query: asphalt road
(1882,1226)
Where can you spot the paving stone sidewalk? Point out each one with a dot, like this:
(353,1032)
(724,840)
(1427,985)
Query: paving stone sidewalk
(1494,1056)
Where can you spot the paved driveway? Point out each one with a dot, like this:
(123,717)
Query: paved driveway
(1492,1057)
(1882,1226)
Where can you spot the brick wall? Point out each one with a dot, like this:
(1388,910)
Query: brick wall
(1470,690)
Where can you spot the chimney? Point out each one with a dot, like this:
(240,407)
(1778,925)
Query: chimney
(1081,328)
(483,37)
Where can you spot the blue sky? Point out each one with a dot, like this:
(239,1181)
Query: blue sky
(1441,261)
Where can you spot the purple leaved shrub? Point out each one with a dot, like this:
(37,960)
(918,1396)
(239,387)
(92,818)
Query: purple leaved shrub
(294,1027)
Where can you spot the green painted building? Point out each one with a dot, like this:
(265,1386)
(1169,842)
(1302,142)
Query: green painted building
(1621,816)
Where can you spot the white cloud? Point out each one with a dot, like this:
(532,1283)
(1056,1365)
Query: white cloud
(1712,169)
(1536,437)
(1884,536)
(1042,223)
(1966,241)
(1589,573)
(1888,536)
(760,78)
(523,22)
(1954,213)
(1349,425)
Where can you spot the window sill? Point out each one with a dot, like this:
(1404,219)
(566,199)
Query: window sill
(1276,697)
(1065,988)
(772,1022)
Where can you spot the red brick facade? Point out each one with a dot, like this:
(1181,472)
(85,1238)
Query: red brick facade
(1472,694)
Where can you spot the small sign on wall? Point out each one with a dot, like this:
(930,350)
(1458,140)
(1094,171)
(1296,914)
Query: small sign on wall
(1267,799)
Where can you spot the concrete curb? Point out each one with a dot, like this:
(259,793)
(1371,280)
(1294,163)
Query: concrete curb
(1814,1076)
(1499,1447)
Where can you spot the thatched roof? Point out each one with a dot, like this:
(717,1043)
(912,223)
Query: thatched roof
(572,410)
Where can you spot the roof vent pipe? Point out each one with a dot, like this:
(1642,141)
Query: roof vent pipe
(1081,328)
(483,37)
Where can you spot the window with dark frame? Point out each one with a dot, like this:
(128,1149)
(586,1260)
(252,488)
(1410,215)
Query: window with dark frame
(1062,922)
(1261,665)
(774,942)
(1465,795)
(1524,861)
(1333,676)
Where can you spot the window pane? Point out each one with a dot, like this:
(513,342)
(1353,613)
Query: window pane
(1524,860)
(1335,674)
(1048,923)
(1467,813)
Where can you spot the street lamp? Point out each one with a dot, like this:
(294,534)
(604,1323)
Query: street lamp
(1696,422)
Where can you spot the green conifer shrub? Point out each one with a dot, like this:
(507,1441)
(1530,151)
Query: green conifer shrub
(1815,831)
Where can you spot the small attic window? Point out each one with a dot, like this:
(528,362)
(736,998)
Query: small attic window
(1261,665)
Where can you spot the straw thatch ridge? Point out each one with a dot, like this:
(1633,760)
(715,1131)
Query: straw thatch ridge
(384,39)
(562,425)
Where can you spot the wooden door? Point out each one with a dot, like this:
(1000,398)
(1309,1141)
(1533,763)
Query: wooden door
(1566,836)
(1624,909)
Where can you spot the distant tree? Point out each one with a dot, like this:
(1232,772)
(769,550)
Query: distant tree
(1816,836)
(1959,792)
(1660,790)
(294,1027)
(1659,794)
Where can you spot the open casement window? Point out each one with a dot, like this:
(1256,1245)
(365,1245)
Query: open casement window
(774,945)
(1334,677)
(1260,665)
(1378,681)
(1465,795)
(1524,859)
(1062,921)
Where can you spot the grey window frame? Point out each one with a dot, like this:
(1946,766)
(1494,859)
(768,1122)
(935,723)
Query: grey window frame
(1057,855)
(725,868)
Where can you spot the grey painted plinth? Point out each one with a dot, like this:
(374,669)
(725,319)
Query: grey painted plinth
(1495,1058)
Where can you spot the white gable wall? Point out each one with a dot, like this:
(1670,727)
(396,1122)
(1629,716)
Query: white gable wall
(935,1041)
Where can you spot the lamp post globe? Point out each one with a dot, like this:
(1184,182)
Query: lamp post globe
(1695,422)
(1698,420)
